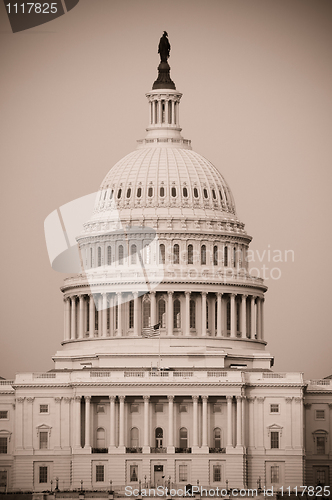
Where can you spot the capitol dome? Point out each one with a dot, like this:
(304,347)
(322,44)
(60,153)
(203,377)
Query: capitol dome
(164,252)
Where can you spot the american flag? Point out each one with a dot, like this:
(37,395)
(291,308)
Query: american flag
(151,331)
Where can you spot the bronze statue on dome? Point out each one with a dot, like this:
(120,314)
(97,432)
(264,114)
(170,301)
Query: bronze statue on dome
(164,47)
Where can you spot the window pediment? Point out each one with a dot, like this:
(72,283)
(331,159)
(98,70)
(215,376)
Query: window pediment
(5,433)
(320,433)
(275,428)
(44,428)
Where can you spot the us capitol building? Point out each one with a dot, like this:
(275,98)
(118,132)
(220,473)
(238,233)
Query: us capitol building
(163,376)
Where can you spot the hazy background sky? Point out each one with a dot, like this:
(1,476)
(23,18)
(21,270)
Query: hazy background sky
(257,82)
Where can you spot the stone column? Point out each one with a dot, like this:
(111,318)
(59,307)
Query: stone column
(119,303)
(239,442)
(159,112)
(91,316)
(170,447)
(77,423)
(298,421)
(204,423)
(112,423)
(29,425)
(289,428)
(121,421)
(260,424)
(153,112)
(233,315)
(258,325)
(100,315)
(57,424)
(330,422)
(253,317)
(19,423)
(166,112)
(81,315)
(146,446)
(104,314)
(229,443)
(187,294)
(262,318)
(67,318)
(244,316)
(203,314)
(73,317)
(173,113)
(170,313)
(153,308)
(87,421)
(136,306)
(66,424)
(251,440)
(195,423)
(219,315)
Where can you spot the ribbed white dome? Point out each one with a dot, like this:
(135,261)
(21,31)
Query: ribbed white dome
(166,176)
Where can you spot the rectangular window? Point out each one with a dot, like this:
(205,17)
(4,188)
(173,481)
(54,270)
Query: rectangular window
(183,476)
(274,408)
(159,408)
(183,409)
(216,473)
(3,414)
(43,408)
(43,474)
(43,440)
(133,408)
(320,414)
(274,439)
(133,473)
(320,441)
(100,476)
(100,409)
(275,474)
(3,445)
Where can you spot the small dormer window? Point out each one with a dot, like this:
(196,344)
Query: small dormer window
(119,193)
(139,192)
(195,192)
(205,193)
(128,192)
(185,192)
(214,194)
(150,192)
(162,191)
(173,192)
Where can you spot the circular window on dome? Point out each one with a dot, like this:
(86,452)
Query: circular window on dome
(185,192)
(119,193)
(162,191)
(150,192)
(196,192)
(173,192)
(128,192)
(205,193)
(214,194)
(139,192)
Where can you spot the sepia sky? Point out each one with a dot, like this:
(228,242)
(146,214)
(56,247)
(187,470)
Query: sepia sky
(256,78)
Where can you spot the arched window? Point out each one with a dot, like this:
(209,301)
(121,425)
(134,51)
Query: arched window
(185,192)
(159,434)
(203,255)
(183,438)
(134,438)
(139,192)
(215,315)
(169,112)
(190,254)
(215,255)
(109,255)
(162,313)
(173,192)
(207,315)
(234,257)
(96,320)
(120,255)
(205,193)
(192,314)
(131,314)
(217,437)
(162,254)
(238,312)
(226,256)
(150,192)
(221,198)
(214,194)
(176,314)
(195,193)
(176,254)
(111,194)
(133,254)
(128,192)
(228,316)
(146,313)
(99,256)
(116,316)
(100,437)
(119,193)
(162,191)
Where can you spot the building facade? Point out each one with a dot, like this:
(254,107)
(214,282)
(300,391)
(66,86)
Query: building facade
(163,377)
